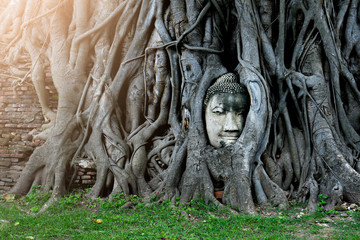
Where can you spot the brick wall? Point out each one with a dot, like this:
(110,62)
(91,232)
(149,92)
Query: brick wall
(20,113)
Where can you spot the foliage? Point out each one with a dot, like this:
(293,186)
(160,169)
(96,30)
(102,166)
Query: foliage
(71,218)
(322,201)
(36,198)
(321,207)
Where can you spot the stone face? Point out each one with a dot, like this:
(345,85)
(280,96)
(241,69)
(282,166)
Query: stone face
(227,104)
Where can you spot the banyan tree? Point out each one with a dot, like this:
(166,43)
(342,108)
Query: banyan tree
(135,78)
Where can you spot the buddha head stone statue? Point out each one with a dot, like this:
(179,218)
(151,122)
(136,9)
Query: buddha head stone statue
(226,107)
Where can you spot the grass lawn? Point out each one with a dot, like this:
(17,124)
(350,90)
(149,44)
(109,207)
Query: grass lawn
(74,217)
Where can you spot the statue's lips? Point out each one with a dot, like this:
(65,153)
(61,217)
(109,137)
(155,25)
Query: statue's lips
(230,138)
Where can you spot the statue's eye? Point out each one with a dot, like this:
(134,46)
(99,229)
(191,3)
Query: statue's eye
(218,112)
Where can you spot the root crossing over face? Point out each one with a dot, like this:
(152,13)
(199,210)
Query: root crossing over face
(225,116)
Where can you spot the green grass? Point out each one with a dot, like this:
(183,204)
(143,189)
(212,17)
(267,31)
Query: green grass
(74,217)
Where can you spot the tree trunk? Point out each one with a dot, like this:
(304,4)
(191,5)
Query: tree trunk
(132,77)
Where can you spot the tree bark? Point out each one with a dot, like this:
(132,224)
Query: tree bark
(132,77)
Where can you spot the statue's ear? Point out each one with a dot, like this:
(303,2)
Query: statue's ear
(258,120)
(249,78)
(255,92)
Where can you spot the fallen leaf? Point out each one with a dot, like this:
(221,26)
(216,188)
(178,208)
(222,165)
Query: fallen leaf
(353,206)
(322,224)
(341,208)
(99,220)
(300,215)
(326,220)
(9,197)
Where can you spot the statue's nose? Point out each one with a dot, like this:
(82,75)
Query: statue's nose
(231,124)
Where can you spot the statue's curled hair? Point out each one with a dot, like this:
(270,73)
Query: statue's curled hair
(227,83)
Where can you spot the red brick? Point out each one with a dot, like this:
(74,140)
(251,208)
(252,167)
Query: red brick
(5,163)
(15,176)
(88,182)
(17,168)
(6,88)
(17,155)
(13,105)
(6,136)
(10,109)
(6,180)
(6,188)
(10,125)
(17,108)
